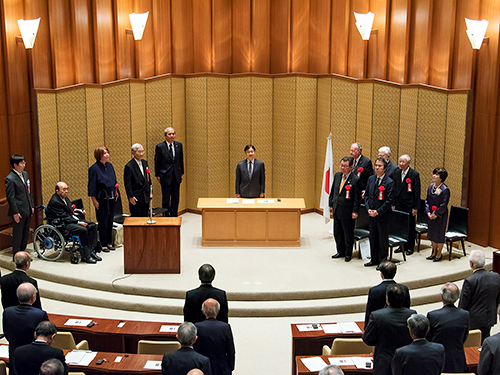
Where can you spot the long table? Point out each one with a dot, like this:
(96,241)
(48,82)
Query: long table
(269,222)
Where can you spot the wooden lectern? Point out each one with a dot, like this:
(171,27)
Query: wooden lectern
(152,248)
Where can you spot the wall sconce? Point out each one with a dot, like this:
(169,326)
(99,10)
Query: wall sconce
(364,23)
(28,29)
(476,31)
(138,22)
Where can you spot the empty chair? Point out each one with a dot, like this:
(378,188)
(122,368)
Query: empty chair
(362,227)
(422,225)
(347,346)
(457,228)
(157,347)
(474,338)
(398,230)
(65,340)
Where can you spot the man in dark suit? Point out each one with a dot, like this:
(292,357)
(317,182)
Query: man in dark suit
(19,322)
(185,359)
(378,201)
(52,366)
(345,197)
(421,357)
(489,359)
(137,181)
(449,326)
(10,282)
(387,330)
(407,197)
(21,206)
(250,176)
(215,339)
(38,351)
(377,295)
(61,209)
(196,297)
(169,170)
(362,165)
(385,152)
(481,295)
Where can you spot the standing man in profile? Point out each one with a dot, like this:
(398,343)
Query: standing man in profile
(169,170)
(21,206)
(345,197)
(250,176)
(137,181)
(362,165)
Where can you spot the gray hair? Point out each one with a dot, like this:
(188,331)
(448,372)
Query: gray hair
(52,366)
(21,259)
(418,325)
(408,159)
(136,146)
(186,333)
(210,311)
(331,370)
(450,293)
(476,257)
(358,145)
(25,292)
(385,149)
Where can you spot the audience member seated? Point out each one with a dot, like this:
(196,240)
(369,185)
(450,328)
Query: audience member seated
(10,282)
(185,359)
(387,331)
(215,339)
(52,367)
(196,297)
(421,357)
(29,358)
(449,326)
(331,370)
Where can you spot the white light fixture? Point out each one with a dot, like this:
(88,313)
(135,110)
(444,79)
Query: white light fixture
(138,22)
(476,31)
(364,23)
(28,29)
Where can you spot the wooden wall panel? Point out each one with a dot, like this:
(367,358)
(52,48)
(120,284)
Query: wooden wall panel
(179,122)
(138,113)
(299,41)
(202,36)
(242,31)
(124,41)
(280,36)
(364,116)
(319,36)
(420,41)
(344,95)
(385,120)
(339,37)
(378,43)
(399,38)
(182,36)
(104,41)
(42,60)
(83,40)
(145,48)
(357,47)
(323,129)
(261,36)
(5,153)
(161,21)
(408,122)
(221,36)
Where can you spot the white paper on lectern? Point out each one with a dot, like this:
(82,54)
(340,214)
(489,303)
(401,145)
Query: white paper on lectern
(232,200)
(331,328)
(341,361)
(266,201)
(80,357)
(349,327)
(360,362)
(152,365)
(78,322)
(4,351)
(121,324)
(166,328)
(308,327)
(314,363)
(248,201)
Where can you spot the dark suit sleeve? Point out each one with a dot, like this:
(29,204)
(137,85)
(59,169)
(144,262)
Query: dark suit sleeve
(370,336)
(443,206)
(357,196)
(263,179)
(238,180)
(223,313)
(206,368)
(466,294)
(188,309)
(127,180)
(485,360)
(430,333)
(230,352)
(416,200)
(181,161)
(92,185)
(407,301)
(38,302)
(63,361)
(369,308)
(56,211)
(389,189)
(396,365)
(368,188)
(158,160)
(10,193)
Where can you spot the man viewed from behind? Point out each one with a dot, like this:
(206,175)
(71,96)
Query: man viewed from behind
(489,360)
(331,370)
(52,367)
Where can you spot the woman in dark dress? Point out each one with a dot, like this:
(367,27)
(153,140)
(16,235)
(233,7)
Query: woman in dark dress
(436,207)
(103,190)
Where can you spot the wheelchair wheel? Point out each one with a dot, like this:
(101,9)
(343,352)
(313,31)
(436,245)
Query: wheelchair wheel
(48,242)
(74,257)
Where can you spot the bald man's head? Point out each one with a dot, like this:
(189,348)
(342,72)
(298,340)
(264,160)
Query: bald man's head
(195,371)
(62,189)
(26,293)
(210,308)
(22,260)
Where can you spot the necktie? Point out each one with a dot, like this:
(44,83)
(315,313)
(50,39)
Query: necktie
(342,184)
(379,181)
(250,169)
(171,152)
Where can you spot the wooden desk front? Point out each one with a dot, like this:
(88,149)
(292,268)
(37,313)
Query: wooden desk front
(258,224)
(152,248)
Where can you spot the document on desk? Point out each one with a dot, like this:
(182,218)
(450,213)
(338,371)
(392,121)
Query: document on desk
(331,328)
(248,201)
(78,322)
(349,327)
(4,351)
(80,357)
(363,363)
(166,328)
(341,361)
(153,365)
(233,200)
(308,327)
(266,201)
(314,363)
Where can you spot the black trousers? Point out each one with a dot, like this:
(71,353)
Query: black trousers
(87,235)
(379,240)
(139,209)
(170,197)
(343,231)
(105,215)
(20,233)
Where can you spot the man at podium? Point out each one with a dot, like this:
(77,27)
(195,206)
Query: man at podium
(250,176)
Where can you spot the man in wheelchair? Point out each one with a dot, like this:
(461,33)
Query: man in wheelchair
(60,211)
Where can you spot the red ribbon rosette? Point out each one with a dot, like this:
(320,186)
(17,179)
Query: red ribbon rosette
(347,192)
(73,208)
(381,189)
(147,172)
(360,170)
(116,189)
(408,187)
(434,208)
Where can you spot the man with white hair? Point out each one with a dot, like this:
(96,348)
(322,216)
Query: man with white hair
(385,152)
(331,370)
(137,181)
(481,295)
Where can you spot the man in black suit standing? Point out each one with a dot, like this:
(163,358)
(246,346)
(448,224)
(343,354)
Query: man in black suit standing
(345,197)
(362,165)
(449,326)
(10,282)
(378,201)
(29,358)
(19,322)
(137,181)
(421,357)
(377,295)
(387,330)
(385,152)
(196,297)
(481,295)
(489,359)
(21,206)
(169,170)
(185,359)
(250,176)
(407,197)
(215,340)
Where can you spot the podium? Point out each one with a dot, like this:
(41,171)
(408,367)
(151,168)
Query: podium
(152,248)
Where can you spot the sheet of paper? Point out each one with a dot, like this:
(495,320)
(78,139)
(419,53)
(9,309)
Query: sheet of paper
(349,327)
(266,201)
(121,324)
(166,328)
(248,201)
(80,357)
(78,322)
(365,363)
(232,200)
(118,358)
(308,327)
(345,361)
(331,328)
(4,351)
(314,363)
(153,365)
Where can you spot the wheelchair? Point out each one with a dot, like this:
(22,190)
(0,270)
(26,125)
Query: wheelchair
(50,243)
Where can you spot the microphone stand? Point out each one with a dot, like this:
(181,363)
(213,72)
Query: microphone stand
(151,221)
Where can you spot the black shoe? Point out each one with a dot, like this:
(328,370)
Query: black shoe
(437,259)
(408,252)
(431,257)
(337,256)
(105,250)
(93,255)
(111,247)
(378,268)
(89,260)
(347,258)
(369,264)
(399,250)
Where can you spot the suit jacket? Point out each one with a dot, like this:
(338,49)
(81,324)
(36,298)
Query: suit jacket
(9,284)
(372,200)
(18,194)
(37,352)
(343,207)
(250,187)
(405,200)
(387,330)
(367,166)
(391,168)
(421,357)
(61,210)
(215,341)
(165,166)
(184,360)
(196,297)
(449,326)
(481,296)
(377,298)
(489,359)
(136,183)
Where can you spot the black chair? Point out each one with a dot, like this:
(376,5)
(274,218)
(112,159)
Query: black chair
(422,225)
(398,230)
(119,217)
(362,227)
(457,228)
